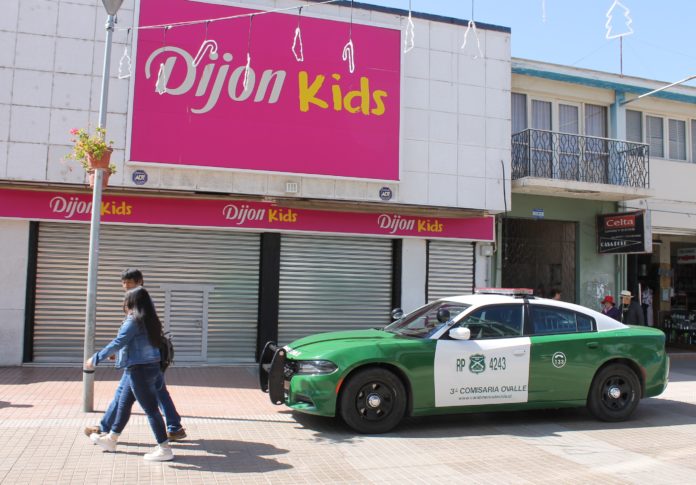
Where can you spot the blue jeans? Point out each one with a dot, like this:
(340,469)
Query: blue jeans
(166,405)
(142,387)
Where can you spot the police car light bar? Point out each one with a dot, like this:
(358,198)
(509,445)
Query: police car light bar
(505,291)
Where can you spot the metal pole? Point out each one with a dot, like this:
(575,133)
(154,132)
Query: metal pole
(91,313)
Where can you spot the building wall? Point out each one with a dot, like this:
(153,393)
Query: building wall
(455,126)
(14,241)
(414,273)
(595,273)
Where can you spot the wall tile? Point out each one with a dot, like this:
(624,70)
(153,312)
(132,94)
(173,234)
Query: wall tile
(472,130)
(34,52)
(29,124)
(38,17)
(442,190)
(69,27)
(497,45)
(472,100)
(416,63)
(415,124)
(442,67)
(6,76)
(443,158)
(10,13)
(4,122)
(351,190)
(32,88)
(471,71)
(74,56)
(8,40)
(494,169)
(443,127)
(60,169)
(498,133)
(214,181)
(64,120)
(473,49)
(443,96)
(72,91)
(413,188)
(498,74)
(27,161)
(494,194)
(444,37)
(415,156)
(471,192)
(3,159)
(472,161)
(498,104)
(250,183)
(316,187)
(415,93)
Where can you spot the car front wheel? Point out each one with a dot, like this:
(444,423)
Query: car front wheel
(373,401)
(614,394)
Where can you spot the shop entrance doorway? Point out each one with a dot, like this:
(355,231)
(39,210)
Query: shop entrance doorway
(541,255)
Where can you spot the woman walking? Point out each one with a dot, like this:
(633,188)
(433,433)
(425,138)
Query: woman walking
(137,344)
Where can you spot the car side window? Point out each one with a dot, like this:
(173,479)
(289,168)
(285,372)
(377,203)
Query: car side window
(554,320)
(496,321)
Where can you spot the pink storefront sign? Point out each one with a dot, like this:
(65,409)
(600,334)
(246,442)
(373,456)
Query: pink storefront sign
(314,116)
(250,215)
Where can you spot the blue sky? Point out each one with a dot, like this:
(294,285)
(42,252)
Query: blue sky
(661,47)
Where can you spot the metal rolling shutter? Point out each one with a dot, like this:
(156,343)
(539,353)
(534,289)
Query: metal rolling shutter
(333,283)
(450,268)
(227,261)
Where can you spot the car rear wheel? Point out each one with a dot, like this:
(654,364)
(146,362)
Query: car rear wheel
(614,394)
(373,401)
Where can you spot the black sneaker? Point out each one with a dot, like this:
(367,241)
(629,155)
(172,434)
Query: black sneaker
(176,435)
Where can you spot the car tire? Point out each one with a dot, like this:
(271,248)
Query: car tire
(614,393)
(373,401)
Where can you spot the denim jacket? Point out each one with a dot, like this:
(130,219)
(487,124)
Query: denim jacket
(132,345)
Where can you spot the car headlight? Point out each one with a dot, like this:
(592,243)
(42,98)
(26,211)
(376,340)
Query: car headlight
(315,367)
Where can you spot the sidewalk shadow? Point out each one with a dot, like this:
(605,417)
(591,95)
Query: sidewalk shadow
(226,456)
(5,404)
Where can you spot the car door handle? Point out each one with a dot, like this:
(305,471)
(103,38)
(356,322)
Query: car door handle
(519,352)
(592,345)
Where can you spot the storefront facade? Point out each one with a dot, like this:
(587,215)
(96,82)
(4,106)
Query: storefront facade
(266,201)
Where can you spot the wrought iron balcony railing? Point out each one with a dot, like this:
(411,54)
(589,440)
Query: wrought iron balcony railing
(562,156)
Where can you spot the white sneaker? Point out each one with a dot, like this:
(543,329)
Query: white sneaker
(161,453)
(106,442)
(94,437)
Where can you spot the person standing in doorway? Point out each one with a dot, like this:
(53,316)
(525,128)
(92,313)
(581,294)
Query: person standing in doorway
(555,294)
(609,308)
(631,312)
(132,278)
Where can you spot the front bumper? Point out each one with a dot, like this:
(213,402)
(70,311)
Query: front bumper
(272,372)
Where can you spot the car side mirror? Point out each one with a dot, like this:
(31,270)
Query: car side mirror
(397,313)
(460,333)
(443,315)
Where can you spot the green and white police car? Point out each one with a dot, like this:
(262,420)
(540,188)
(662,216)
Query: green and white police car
(493,350)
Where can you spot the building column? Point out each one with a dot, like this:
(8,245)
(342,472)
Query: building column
(413,273)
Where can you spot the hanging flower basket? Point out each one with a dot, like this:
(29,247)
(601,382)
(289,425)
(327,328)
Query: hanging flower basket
(99,162)
(91,150)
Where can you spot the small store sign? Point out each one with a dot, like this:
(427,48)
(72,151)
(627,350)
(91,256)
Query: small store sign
(686,256)
(621,233)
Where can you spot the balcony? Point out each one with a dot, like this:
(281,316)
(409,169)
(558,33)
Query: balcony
(586,167)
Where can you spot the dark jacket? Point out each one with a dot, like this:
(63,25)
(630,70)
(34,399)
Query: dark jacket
(612,312)
(633,315)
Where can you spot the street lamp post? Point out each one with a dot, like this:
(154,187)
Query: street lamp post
(111,7)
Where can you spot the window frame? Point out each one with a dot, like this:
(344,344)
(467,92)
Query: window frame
(669,139)
(519,305)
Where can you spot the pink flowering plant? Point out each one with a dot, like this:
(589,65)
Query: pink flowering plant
(86,145)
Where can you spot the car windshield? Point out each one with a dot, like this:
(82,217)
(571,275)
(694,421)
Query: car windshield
(423,322)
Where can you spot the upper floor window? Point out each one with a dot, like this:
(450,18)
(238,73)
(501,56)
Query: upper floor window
(655,136)
(634,126)
(677,140)
(693,140)
(519,112)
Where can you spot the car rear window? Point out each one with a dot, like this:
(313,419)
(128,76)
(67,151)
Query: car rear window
(554,320)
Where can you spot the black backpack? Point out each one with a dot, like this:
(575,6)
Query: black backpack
(166,349)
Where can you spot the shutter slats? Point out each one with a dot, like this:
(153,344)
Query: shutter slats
(333,283)
(228,261)
(450,269)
